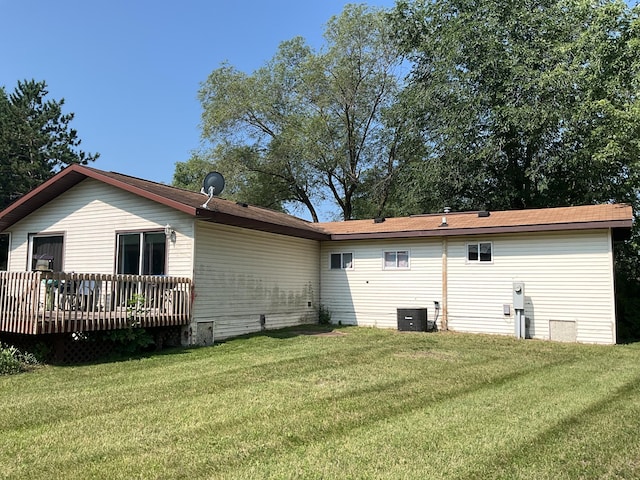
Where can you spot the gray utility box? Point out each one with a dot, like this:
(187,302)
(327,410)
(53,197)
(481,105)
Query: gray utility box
(518,295)
(412,319)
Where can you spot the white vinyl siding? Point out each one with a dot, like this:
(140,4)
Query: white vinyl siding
(370,295)
(242,274)
(89,215)
(567,277)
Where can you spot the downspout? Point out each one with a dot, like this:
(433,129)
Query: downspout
(444,311)
(612,257)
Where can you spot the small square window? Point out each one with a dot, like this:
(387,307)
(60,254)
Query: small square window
(479,252)
(341,261)
(396,259)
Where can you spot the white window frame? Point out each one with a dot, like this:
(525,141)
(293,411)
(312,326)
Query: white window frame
(397,263)
(479,259)
(342,262)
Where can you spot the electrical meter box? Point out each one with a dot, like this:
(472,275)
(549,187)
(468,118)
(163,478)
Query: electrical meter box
(518,295)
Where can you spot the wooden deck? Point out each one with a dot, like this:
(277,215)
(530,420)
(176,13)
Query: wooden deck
(42,302)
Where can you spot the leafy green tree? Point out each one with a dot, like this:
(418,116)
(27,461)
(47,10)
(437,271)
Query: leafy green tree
(36,140)
(525,104)
(521,104)
(357,80)
(313,121)
(241,184)
(249,120)
(190,174)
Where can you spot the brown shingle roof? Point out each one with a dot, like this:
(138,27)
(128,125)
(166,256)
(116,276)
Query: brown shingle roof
(467,223)
(218,210)
(223,211)
(616,216)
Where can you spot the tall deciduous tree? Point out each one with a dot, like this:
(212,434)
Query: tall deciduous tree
(312,120)
(241,183)
(36,140)
(522,104)
(526,104)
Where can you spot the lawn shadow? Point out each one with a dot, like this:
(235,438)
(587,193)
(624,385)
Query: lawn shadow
(304,330)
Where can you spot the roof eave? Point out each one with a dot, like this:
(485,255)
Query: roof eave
(39,196)
(450,232)
(253,224)
(62,182)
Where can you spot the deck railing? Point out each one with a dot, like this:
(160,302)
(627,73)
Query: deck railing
(44,302)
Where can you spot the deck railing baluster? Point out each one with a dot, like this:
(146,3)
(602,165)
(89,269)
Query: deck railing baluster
(46,302)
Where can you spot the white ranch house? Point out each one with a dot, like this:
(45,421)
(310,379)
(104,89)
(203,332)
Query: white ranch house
(80,247)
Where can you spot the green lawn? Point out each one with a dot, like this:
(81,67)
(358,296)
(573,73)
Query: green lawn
(366,403)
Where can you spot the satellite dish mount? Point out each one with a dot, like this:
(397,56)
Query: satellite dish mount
(212,186)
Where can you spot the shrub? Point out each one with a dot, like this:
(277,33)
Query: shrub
(324,315)
(128,341)
(13,360)
(131,340)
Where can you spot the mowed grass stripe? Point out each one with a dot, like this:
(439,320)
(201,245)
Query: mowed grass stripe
(365,404)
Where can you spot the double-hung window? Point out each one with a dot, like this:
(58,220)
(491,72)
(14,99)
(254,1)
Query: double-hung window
(142,253)
(396,259)
(341,261)
(479,252)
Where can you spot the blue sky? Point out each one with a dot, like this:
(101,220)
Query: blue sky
(130,70)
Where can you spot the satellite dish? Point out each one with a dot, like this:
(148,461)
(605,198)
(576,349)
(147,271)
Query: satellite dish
(212,185)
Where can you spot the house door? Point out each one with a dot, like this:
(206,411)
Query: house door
(5,240)
(46,252)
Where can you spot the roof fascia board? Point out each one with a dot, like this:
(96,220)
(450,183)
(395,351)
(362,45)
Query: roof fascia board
(19,209)
(252,224)
(67,178)
(450,232)
(69,172)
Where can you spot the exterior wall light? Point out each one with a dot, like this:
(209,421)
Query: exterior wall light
(170,233)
